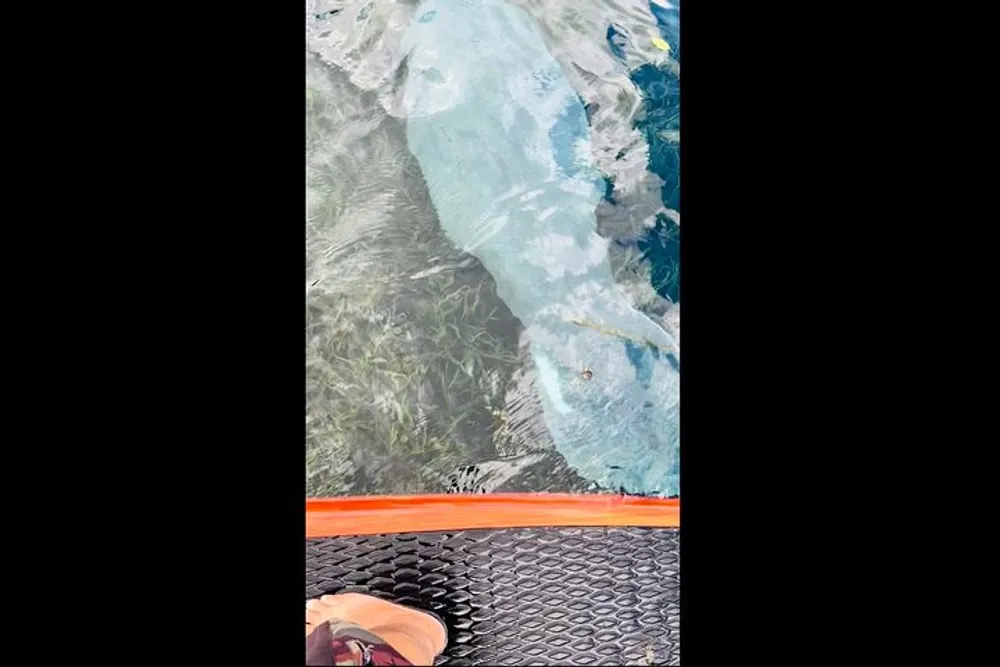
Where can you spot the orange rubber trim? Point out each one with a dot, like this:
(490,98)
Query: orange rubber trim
(369,515)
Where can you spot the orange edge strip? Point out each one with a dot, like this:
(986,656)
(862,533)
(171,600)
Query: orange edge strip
(369,515)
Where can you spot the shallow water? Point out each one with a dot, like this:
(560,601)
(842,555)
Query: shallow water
(426,372)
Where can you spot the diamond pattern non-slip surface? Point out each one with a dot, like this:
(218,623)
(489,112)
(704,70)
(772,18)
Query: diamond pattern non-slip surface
(579,596)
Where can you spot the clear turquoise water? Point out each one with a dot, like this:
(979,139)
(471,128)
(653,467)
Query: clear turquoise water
(445,349)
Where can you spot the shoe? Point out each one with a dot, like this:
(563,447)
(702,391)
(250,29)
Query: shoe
(418,636)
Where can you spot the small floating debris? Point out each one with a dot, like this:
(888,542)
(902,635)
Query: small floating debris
(662,45)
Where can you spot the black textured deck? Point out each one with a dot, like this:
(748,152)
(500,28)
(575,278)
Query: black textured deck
(543,596)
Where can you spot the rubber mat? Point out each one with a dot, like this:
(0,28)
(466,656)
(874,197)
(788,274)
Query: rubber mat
(525,596)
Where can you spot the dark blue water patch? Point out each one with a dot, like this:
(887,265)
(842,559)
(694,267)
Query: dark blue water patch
(660,89)
(615,42)
(427,16)
(637,356)
(565,132)
(661,93)
(609,191)
(642,358)
(661,246)
(661,102)
(674,362)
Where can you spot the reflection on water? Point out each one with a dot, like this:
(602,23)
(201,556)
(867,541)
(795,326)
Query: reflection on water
(419,376)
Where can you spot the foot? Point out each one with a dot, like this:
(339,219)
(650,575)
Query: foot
(417,636)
